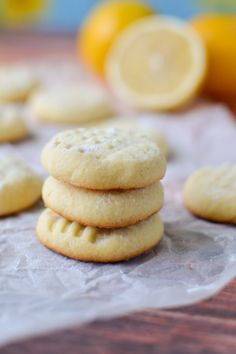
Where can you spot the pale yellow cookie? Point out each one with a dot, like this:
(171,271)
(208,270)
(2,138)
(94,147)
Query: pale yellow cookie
(107,209)
(12,125)
(211,193)
(139,126)
(20,186)
(92,244)
(103,159)
(71,104)
(16,83)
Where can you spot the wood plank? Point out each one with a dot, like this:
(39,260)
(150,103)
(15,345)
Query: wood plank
(221,306)
(21,46)
(208,327)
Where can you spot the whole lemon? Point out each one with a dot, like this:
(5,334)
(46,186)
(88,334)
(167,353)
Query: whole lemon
(103,26)
(219,34)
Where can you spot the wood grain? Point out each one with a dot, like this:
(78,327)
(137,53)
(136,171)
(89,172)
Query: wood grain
(27,45)
(208,327)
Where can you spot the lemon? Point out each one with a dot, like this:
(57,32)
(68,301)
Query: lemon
(103,26)
(218,31)
(17,12)
(157,63)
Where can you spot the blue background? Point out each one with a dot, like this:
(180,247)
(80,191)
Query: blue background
(67,15)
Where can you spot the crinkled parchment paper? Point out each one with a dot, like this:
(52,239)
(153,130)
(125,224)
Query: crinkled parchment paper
(41,291)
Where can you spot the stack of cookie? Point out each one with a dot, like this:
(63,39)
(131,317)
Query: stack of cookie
(103,195)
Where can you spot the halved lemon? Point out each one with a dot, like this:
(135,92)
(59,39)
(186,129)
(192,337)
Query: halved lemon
(158,63)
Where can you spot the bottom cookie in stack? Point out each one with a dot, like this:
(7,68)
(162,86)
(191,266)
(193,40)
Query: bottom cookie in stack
(94,244)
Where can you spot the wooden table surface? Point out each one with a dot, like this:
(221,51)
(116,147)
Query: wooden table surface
(207,327)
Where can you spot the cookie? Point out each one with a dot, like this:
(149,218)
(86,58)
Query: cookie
(139,126)
(12,125)
(93,244)
(20,186)
(210,193)
(103,159)
(16,83)
(71,104)
(106,209)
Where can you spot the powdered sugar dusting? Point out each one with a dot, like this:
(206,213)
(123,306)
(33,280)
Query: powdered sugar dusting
(106,142)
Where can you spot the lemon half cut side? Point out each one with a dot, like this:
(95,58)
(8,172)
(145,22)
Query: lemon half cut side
(157,63)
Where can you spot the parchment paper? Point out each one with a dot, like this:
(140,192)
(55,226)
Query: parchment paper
(42,291)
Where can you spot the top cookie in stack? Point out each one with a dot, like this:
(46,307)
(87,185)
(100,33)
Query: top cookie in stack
(107,183)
